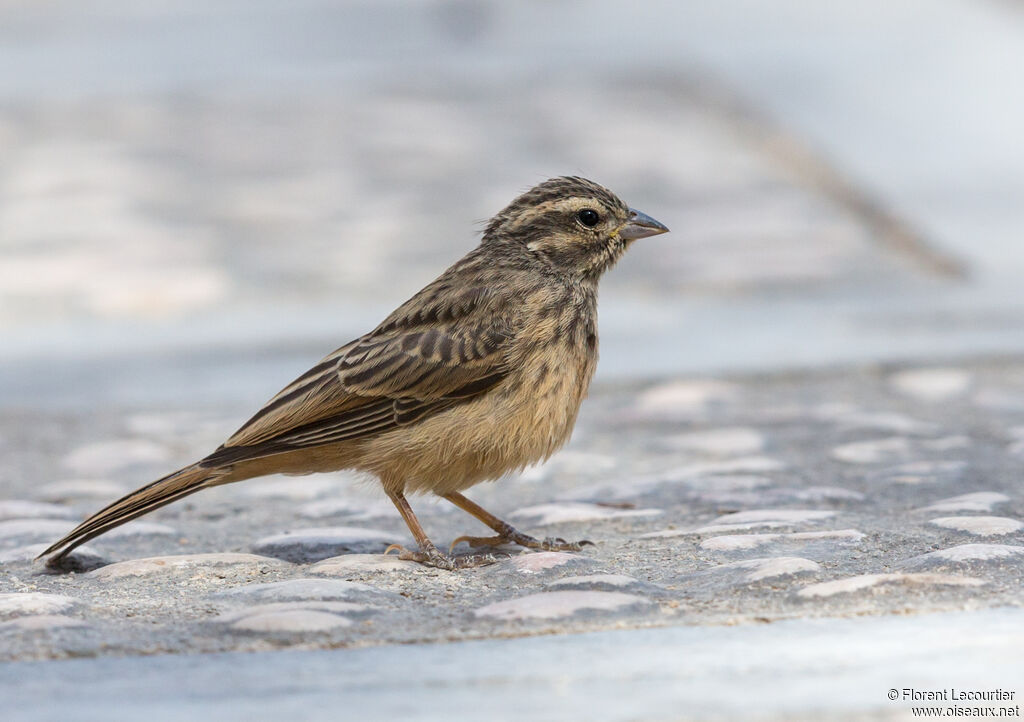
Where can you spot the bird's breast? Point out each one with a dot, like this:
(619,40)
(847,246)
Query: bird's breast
(557,373)
(523,420)
(557,382)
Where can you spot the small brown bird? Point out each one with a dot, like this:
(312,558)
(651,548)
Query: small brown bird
(480,373)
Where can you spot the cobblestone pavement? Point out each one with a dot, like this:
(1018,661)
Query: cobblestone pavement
(710,501)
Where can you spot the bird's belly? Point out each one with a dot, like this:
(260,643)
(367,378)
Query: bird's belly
(521,422)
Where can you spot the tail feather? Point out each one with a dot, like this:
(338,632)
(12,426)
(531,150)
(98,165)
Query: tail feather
(141,501)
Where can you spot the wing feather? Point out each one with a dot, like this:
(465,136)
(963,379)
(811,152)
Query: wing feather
(439,349)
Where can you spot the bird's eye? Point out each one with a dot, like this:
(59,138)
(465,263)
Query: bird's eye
(588,217)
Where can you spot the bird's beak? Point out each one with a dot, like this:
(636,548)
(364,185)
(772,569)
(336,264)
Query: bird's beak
(641,225)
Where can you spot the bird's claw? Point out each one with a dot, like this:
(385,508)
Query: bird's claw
(433,558)
(549,544)
(557,544)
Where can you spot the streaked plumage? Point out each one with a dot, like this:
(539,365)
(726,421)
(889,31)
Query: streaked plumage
(481,372)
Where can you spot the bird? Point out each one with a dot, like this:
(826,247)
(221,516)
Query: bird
(480,373)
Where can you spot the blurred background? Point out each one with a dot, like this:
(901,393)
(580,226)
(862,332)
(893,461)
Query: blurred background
(198,200)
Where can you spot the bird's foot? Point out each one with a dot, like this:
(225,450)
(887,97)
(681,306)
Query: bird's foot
(432,557)
(548,544)
(557,544)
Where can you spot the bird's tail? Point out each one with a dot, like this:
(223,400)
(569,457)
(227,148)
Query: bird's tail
(141,501)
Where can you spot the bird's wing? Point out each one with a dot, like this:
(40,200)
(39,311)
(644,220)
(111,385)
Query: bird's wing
(313,396)
(423,359)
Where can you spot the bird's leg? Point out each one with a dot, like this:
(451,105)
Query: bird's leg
(506,532)
(428,554)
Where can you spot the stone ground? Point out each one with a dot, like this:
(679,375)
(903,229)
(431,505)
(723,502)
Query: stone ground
(733,500)
(800,463)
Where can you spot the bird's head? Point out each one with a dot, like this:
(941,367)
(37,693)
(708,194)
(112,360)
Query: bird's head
(574,224)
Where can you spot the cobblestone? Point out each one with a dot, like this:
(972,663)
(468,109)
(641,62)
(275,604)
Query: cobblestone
(736,510)
(315,544)
(559,605)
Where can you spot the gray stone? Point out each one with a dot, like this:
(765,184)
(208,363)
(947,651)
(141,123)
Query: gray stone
(19,604)
(967,553)
(315,544)
(730,441)
(923,472)
(980,525)
(741,465)
(728,483)
(19,509)
(21,530)
(293,621)
(932,385)
(292,617)
(305,590)
(778,495)
(684,399)
(976,501)
(273,607)
(348,564)
(182,564)
(40,623)
(882,421)
(569,463)
(140,528)
(617,581)
(891,582)
(872,452)
(743,542)
(749,571)
(1001,399)
(566,512)
(948,443)
(694,475)
(606,583)
(82,558)
(75,489)
(765,518)
(105,457)
(559,605)
(537,562)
